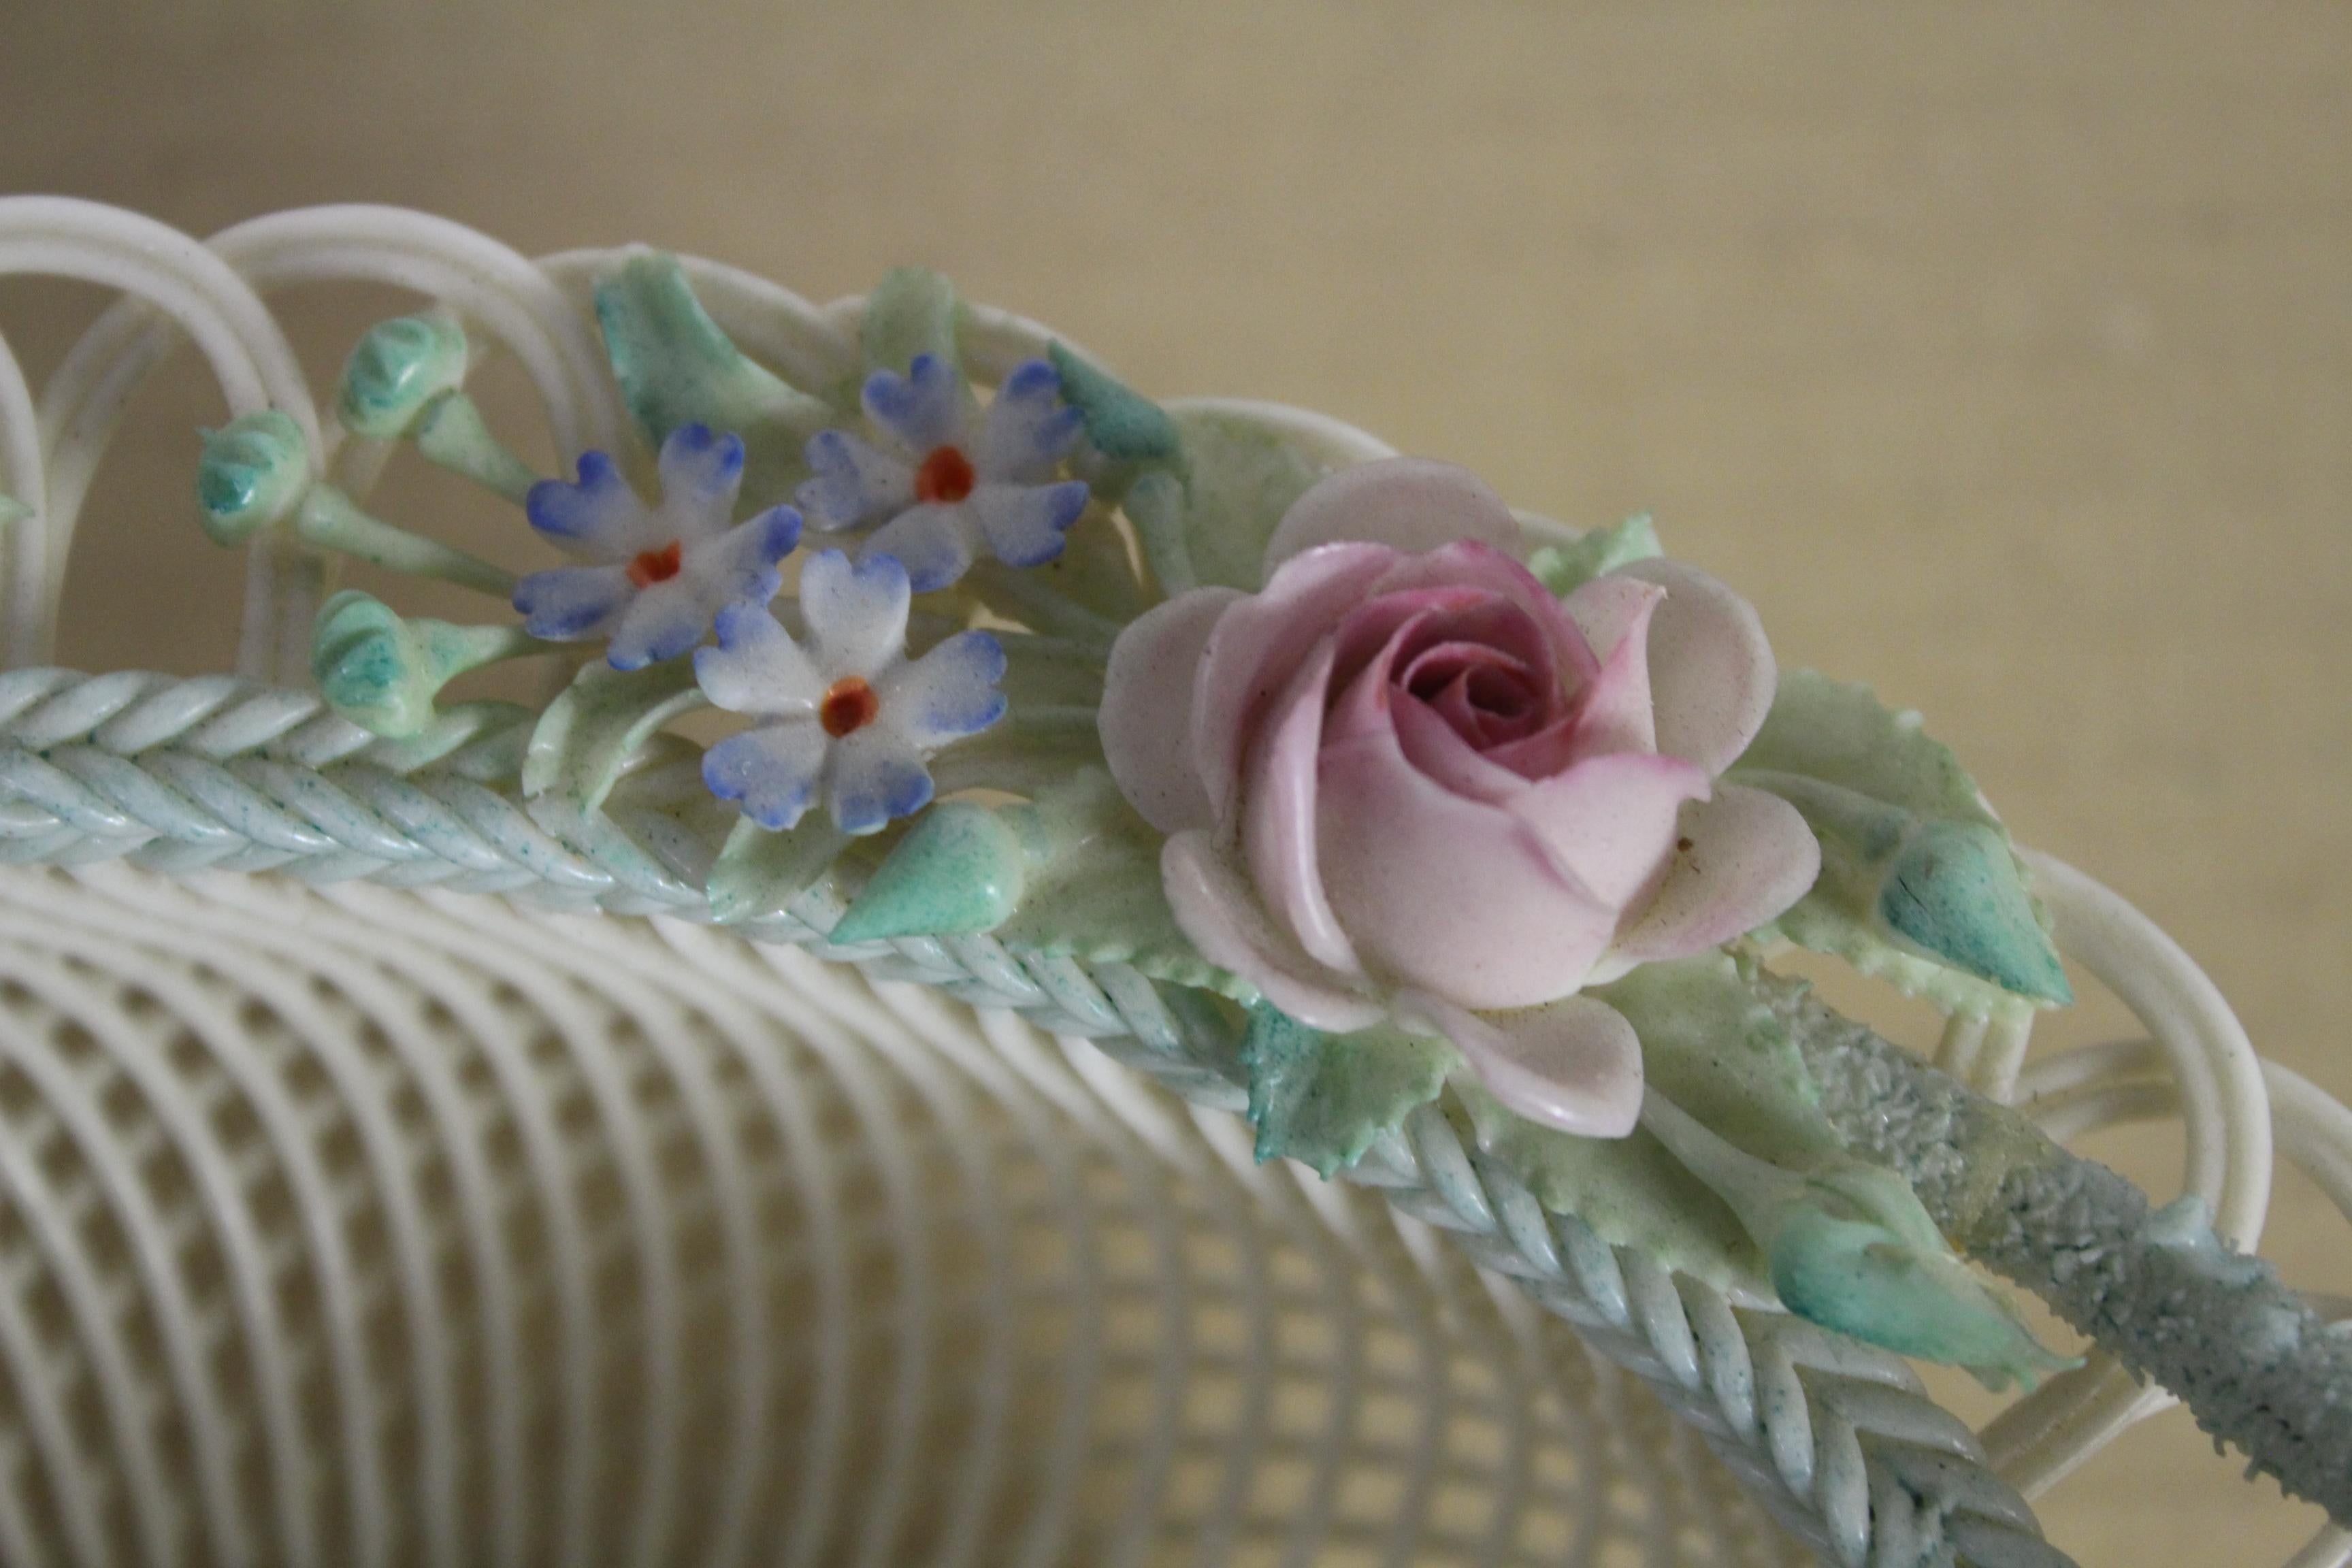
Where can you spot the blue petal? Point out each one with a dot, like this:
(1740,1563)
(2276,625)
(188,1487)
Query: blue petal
(573,602)
(933,543)
(662,622)
(772,770)
(701,467)
(740,563)
(850,483)
(872,776)
(948,693)
(1025,523)
(599,517)
(856,615)
(922,409)
(756,667)
(1028,430)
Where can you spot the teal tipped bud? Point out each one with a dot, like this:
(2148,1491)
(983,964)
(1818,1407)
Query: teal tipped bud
(398,371)
(1854,1251)
(253,473)
(1851,1248)
(382,672)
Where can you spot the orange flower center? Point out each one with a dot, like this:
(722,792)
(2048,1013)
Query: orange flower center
(945,475)
(849,707)
(653,566)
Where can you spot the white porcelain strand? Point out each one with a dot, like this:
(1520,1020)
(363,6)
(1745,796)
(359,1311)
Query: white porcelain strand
(361,1224)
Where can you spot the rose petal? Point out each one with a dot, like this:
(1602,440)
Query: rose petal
(1445,893)
(1614,709)
(1411,504)
(1259,642)
(1610,821)
(1750,857)
(1711,670)
(1147,708)
(1278,839)
(1575,1065)
(1215,909)
(1468,564)
(1434,747)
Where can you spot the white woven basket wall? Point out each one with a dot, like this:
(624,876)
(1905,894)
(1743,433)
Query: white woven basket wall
(343,1224)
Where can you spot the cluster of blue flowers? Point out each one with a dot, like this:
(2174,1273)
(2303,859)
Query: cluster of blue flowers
(841,713)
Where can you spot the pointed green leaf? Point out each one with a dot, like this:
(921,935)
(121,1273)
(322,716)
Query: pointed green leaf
(1322,1098)
(590,731)
(1122,424)
(759,873)
(1094,888)
(1564,568)
(1631,1191)
(1919,882)
(676,367)
(1240,479)
(12,511)
(1711,1045)
(959,868)
(911,312)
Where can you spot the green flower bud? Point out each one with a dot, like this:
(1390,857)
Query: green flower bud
(253,473)
(1851,1248)
(397,370)
(382,672)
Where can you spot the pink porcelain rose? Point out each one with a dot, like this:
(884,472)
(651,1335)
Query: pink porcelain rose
(1403,782)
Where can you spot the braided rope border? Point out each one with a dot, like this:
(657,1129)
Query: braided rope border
(215,773)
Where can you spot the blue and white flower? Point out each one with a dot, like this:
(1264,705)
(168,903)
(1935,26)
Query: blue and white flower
(847,717)
(660,575)
(937,493)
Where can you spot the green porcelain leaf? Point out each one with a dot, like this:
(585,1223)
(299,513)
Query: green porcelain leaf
(676,367)
(590,731)
(1919,882)
(911,312)
(759,873)
(1322,1098)
(12,511)
(1564,568)
(1631,1191)
(1212,525)
(1711,1045)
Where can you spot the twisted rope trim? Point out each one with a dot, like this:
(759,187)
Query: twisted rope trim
(177,774)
